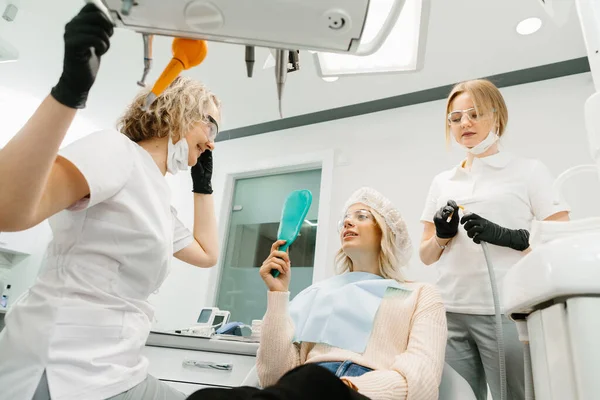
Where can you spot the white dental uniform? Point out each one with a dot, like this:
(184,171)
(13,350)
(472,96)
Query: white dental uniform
(87,318)
(506,189)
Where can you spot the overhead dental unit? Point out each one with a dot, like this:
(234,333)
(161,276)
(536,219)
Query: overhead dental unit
(347,27)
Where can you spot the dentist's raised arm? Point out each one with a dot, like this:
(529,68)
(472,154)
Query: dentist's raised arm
(35,182)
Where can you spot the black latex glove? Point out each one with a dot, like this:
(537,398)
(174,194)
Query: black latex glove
(481,230)
(202,173)
(444,229)
(87,38)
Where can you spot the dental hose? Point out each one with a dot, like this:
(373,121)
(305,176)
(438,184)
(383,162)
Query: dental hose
(498,315)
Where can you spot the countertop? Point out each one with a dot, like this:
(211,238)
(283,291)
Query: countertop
(180,341)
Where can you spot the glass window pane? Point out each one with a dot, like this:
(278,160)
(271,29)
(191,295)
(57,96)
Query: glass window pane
(253,225)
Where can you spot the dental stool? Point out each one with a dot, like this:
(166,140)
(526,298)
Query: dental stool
(452,387)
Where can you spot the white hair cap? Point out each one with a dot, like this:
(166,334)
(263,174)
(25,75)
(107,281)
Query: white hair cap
(378,202)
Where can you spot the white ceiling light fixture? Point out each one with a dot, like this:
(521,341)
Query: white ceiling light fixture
(402,51)
(331,78)
(529,26)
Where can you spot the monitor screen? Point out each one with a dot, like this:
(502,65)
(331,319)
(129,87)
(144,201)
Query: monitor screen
(218,320)
(204,317)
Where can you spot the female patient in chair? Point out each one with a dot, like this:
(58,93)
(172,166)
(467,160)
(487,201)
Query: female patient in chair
(380,334)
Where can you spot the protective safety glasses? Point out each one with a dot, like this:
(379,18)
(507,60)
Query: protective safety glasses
(455,117)
(356,216)
(213,128)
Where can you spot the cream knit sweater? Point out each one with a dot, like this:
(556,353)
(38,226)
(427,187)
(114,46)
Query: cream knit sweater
(405,350)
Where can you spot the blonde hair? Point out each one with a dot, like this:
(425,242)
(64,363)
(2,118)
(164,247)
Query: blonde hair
(388,258)
(487,99)
(174,113)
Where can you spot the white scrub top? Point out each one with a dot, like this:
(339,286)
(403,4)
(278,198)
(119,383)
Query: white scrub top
(87,318)
(506,189)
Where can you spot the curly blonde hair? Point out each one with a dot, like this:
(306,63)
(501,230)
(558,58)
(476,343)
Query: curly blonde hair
(173,113)
(390,266)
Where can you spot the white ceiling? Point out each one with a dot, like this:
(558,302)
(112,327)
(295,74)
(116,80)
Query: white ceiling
(466,39)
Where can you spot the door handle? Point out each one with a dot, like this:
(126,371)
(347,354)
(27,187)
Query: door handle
(208,365)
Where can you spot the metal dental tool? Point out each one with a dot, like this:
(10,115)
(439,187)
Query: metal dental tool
(281,60)
(249,60)
(285,61)
(147,58)
(294,61)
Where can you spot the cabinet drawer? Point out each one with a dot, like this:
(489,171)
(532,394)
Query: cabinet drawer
(169,364)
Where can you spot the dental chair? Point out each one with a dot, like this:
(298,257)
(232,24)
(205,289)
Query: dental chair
(452,387)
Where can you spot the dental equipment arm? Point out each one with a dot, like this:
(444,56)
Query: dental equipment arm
(320,25)
(325,25)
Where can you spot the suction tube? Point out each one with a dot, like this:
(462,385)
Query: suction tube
(499,331)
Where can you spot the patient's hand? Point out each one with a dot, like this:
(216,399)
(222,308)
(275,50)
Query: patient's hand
(280,261)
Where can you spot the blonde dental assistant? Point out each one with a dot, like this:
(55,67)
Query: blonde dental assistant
(79,331)
(502,193)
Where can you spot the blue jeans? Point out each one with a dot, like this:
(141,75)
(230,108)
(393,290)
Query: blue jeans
(346,368)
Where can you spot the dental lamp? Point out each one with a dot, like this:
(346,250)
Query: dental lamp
(347,36)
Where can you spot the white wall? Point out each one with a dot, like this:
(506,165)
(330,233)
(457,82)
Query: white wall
(24,269)
(398,152)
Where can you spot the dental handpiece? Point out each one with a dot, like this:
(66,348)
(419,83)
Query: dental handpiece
(281,61)
(147,58)
(249,60)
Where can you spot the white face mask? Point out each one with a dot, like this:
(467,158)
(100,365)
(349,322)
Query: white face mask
(177,156)
(484,145)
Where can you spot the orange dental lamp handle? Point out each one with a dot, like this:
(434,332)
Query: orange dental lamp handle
(187,53)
